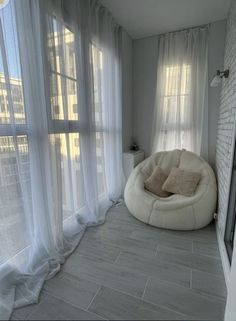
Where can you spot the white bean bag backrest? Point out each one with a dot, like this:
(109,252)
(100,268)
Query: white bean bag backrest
(174,212)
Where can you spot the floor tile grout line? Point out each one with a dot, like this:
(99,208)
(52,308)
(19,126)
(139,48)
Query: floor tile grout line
(158,279)
(201,294)
(117,258)
(72,304)
(170,310)
(207,255)
(183,265)
(191,279)
(140,298)
(125,293)
(93,298)
(64,300)
(145,287)
(122,292)
(114,289)
(37,306)
(174,265)
(141,274)
(191,267)
(156,250)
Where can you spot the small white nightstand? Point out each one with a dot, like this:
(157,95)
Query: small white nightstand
(130,160)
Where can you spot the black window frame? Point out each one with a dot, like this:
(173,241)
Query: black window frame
(229,235)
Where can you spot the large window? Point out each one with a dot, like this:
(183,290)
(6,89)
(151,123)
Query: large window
(60,136)
(64,128)
(61,50)
(177,82)
(97,61)
(15,188)
(56,141)
(64,114)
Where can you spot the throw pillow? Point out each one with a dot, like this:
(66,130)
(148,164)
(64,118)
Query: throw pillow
(181,182)
(154,183)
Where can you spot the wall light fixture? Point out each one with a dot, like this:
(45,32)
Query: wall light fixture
(218,77)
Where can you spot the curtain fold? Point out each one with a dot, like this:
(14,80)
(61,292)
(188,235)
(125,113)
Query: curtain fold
(60,136)
(181,113)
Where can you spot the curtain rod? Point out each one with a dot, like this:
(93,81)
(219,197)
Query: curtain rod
(179,30)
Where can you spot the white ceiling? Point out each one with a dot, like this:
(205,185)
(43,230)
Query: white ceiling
(143,18)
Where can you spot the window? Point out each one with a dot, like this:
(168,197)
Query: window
(14,153)
(75,108)
(61,129)
(175,100)
(61,54)
(19,109)
(76,142)
(52,182)
(11,93)
(65,126)
(97,60)
(56,109)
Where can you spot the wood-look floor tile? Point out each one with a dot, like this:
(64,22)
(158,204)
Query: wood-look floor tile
(184,300)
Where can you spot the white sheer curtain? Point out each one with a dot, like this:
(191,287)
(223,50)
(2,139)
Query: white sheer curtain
(181,118)
(60,136)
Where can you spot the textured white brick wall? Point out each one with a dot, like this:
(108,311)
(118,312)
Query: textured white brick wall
(226,120)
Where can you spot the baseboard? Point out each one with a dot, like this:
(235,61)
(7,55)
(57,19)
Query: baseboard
(224,256)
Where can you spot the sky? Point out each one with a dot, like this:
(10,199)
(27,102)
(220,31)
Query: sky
(8,23)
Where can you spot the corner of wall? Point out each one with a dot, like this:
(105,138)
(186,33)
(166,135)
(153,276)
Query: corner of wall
(127,92)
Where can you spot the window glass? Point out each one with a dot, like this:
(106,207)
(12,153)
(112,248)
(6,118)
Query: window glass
(97,62)
(63,82)
(100,163)
(177,82)
(69,167)
(97,59)
(11,89)
(15,186)
(14,179)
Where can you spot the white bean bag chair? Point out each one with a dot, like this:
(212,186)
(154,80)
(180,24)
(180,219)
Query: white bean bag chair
(175,212)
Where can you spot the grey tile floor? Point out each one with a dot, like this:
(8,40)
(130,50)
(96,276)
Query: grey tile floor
(127,270)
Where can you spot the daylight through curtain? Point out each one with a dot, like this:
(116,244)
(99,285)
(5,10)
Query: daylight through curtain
(181,119)
(60,136)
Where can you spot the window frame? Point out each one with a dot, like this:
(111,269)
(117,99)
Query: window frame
(170,127)
(6,128)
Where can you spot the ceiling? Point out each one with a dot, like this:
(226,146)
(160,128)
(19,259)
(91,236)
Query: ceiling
(143,18)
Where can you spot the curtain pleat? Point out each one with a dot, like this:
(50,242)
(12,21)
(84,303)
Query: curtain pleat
(60,136)
(181,113)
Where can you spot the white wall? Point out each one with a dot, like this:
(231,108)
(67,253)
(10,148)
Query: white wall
(144,88)
(145,53)
(224,154)
(127,114)
(226,122)
(215,61)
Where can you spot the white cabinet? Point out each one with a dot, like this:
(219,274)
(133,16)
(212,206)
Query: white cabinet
(130,160)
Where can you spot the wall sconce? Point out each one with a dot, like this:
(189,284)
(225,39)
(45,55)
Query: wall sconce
(218,77)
